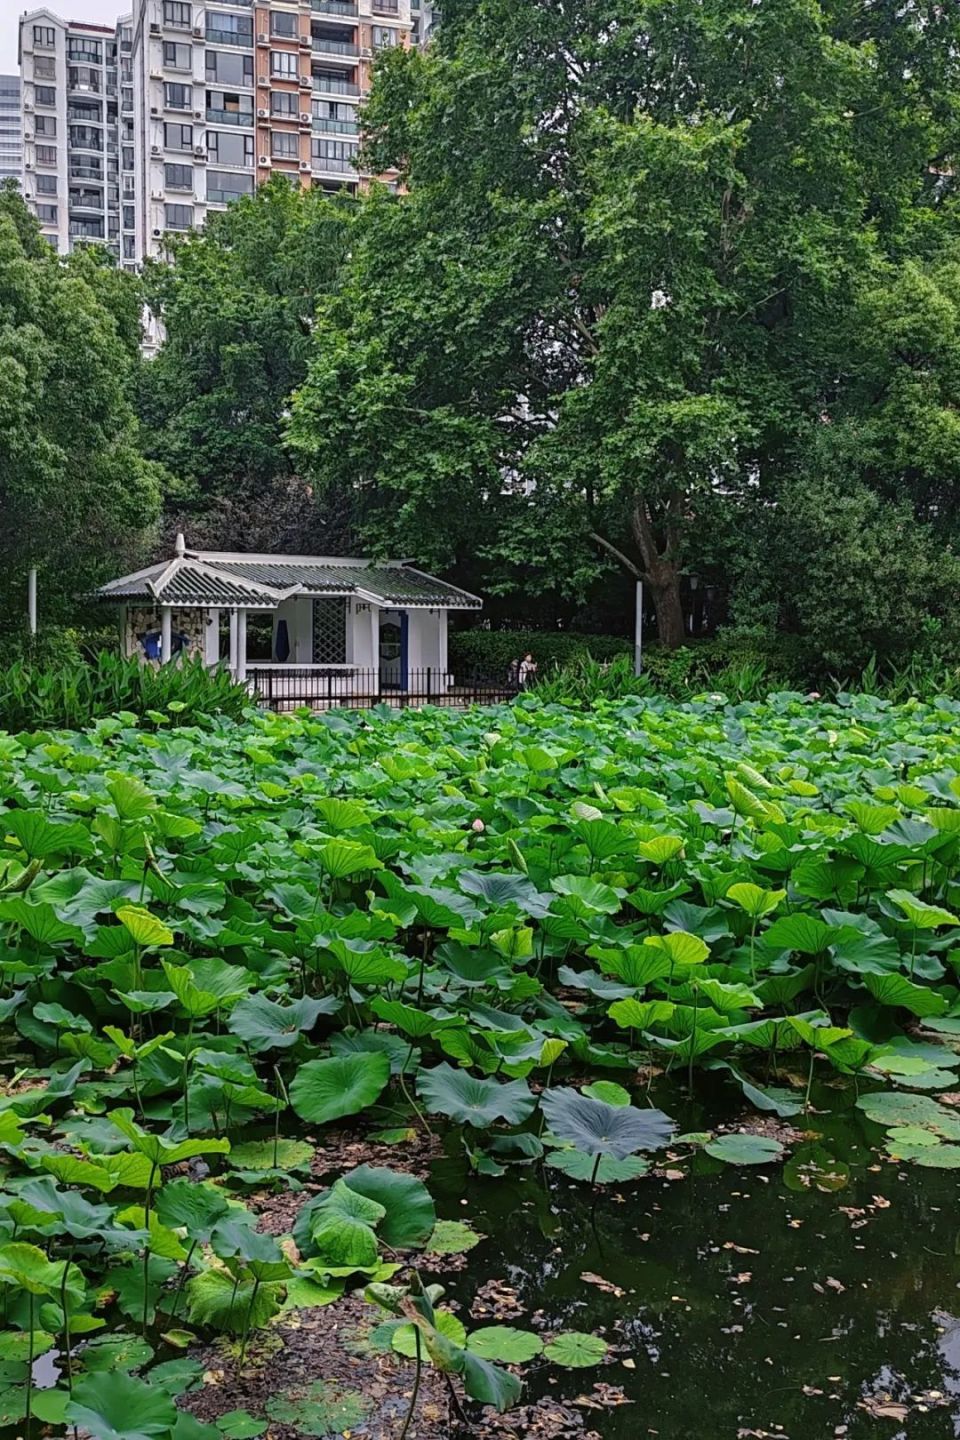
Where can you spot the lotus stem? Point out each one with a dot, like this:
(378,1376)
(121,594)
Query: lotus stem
(416,1384)
(246,1323)
(183,1280)
(29,1368)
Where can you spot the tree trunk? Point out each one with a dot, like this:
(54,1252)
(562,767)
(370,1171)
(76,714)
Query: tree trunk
(665,589)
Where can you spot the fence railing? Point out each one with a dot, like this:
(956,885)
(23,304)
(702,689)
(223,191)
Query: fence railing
(321,687)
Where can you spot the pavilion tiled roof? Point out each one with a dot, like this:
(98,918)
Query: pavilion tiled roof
(262,582)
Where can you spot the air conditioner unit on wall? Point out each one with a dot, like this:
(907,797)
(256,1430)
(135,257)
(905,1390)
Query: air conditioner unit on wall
(263,39)
(262,114)
(265,162)
(263,80)
(155,150)
(305,119)
(305,165)
(154,29)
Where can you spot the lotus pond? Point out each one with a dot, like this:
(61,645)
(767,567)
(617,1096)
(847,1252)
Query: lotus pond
(511,1072)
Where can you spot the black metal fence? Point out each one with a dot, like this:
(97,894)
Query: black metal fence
(287,687)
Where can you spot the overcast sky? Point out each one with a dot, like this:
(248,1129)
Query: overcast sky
(99,12)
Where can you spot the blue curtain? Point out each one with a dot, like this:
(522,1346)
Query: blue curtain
(282,643)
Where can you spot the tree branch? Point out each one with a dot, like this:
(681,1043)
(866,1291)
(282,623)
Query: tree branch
(618,555)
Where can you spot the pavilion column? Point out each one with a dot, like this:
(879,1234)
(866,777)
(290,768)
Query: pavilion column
(241,671)
(211,638)
(234,628)
(375,648)
(166,633)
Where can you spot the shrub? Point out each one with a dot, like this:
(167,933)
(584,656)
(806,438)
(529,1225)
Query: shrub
(36,696)
(490,652)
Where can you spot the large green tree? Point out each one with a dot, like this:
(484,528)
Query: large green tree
(236,304)
(76,495)
(623,281)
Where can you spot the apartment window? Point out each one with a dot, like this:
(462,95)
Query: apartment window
(284,25)
(178,97)
(81,77)
(44,68)
(284,65)
(175,13)
(90,51)
(84,137)
(284,104)
(129,217)
(87,229)
(178,177)
(177,56)
(178,217)
(128,157)
(45,36)
(222,187)
(47,214)
(46,125)
(229,149)
(46,184)
(225,68)
(178,137)
(88,111)
(285,146)
(229,29)
(386,7)
(129,247)
(45,95)
(384,38)
(333,154)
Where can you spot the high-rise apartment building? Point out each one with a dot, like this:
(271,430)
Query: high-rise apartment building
(78,158)
(137,132)
(230,94)
(11,130)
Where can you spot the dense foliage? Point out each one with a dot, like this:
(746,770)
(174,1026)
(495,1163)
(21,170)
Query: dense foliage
(237,306)
(73,693)
(216,937)
(75,491)
(672,286)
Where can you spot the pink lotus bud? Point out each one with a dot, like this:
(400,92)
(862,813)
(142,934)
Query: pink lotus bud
(478,825)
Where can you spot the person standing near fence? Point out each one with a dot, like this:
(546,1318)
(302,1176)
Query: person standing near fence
(528,671)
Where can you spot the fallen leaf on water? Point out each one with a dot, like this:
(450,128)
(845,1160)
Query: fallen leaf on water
(607,1286)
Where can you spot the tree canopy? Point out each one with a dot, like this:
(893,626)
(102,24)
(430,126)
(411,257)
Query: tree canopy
(236,306)
(75,491)
(647,252)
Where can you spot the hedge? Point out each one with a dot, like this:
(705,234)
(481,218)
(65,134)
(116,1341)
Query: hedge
(490,652)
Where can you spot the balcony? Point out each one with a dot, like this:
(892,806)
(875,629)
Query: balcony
(216,36)
(323,46)
(332,165)
(86,172)
(86,202)
(323,85)
(83,117)
(385,7)
(334,7)
(229,117)
(325,126)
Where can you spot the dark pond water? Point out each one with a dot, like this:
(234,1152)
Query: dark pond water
(850,1302)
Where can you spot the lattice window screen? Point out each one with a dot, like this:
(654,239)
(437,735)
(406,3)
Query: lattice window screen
(329,632)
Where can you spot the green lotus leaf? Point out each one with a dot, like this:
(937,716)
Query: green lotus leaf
(505,1345)
(115,1406)
(448,1325)
(266,1025)
(472,1101)
(596,1128)
(744,1149)
(409,1214)
(324,1090)
(575,1350)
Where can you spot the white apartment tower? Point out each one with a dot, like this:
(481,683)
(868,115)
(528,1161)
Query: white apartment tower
(139,131)
(77,141)
(11,130)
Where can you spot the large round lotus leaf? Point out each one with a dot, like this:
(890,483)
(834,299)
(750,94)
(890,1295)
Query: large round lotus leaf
(324,1090)
(410,1214)
(505,1345)
(405,1342)
(259,1155)
(609,1172)
(744,1149)
(575,1350)
(240,1425)
(596,1128)
(183,1204)
(895,1108)
(452,1237)
(944,1157)
(608,1091)
(473,1101)
(321,1408)
(115,1406)
(264,1025)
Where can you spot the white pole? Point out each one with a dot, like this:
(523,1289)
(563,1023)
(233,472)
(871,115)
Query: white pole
(32,600)
(638,632)
(166,633)
(233,643)
(241,644)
